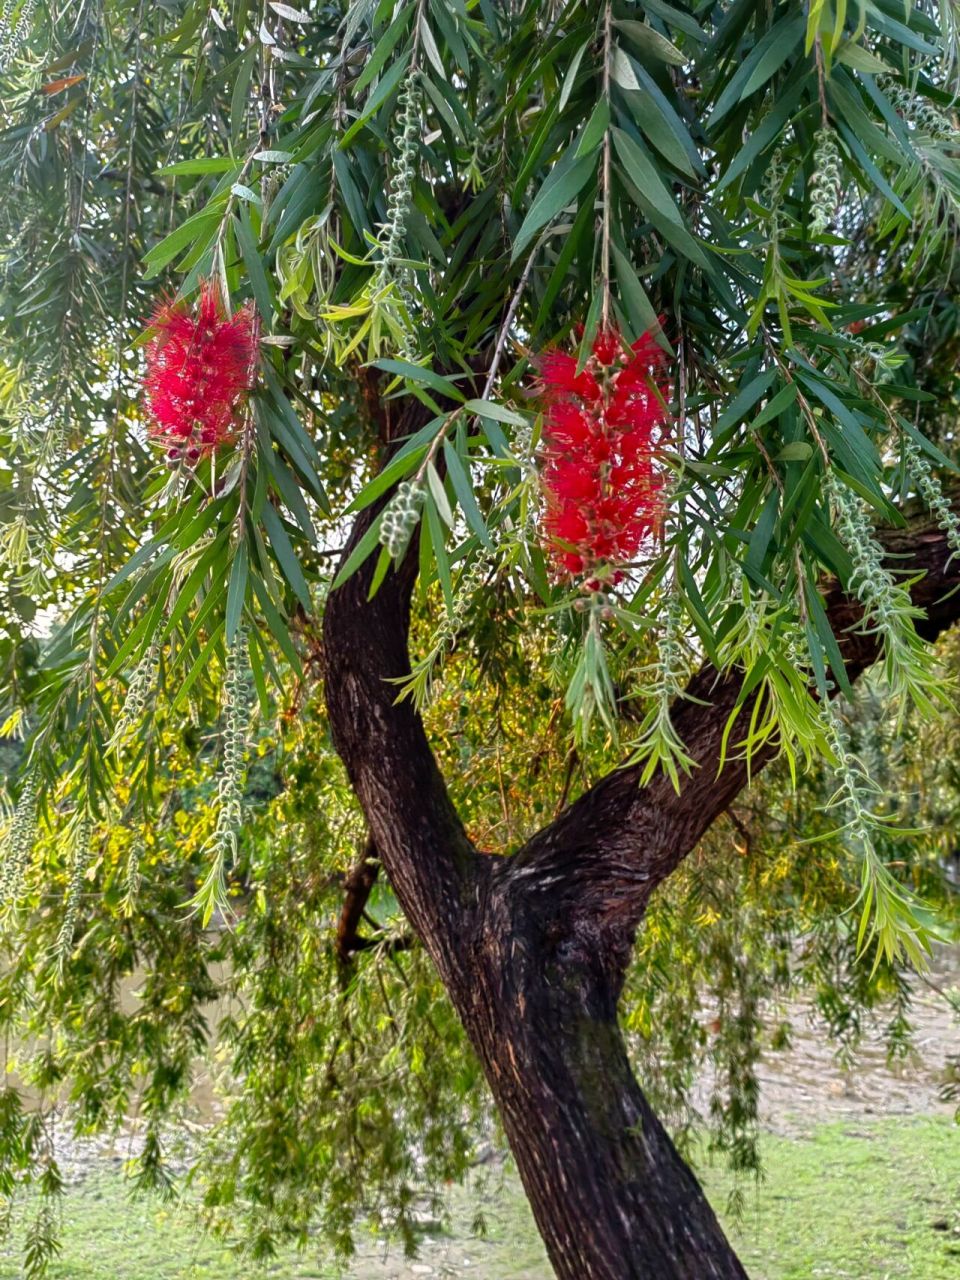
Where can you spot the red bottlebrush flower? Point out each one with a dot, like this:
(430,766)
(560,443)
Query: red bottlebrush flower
(601,428)
(559,377)
(200,365)
(606,346)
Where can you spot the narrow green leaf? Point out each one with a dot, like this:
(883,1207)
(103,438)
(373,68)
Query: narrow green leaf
(796,451)
(570,78)
(650,42)
(644,175)
(203,165)
(737,410)
(385,46)
(417,373)
(774,56)
(435,485)
(361,552)
(439,552)
(254,265)
(201,663)
(278,628)
(657,119)
(195,230)
(286,557)
(236,591)
(827,638)
(594,129)
(775,406)
(462,487)
(497,412)
(565,182)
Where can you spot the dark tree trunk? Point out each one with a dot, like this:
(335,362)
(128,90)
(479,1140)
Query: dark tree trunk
(611,1197)
(533,948)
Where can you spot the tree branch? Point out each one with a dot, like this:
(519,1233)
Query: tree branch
(597,863)
(358,885)
(417,832)
(602,858)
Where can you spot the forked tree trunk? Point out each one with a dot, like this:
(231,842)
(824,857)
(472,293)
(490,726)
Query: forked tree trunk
(533,948)
(610,1195)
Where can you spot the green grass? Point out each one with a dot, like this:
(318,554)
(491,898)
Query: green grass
(867,1201)
(851,1201)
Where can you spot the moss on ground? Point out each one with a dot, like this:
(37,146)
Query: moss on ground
(851,1201)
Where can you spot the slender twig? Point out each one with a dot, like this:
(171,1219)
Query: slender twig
(508,321)
(605,233)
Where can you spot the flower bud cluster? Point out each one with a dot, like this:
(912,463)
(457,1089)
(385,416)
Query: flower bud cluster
(920,112)
(856,790)
(452,623)
(80,849)
(399,204)
(14,28)
(236,704)
(401,516)
(885,359)
(139,690)
(400,200)
(773,192)
(826,183)
(870,580)
(18,846)
(671,664)
(930,490)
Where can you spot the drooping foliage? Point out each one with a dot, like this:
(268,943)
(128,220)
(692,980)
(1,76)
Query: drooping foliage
(424,208)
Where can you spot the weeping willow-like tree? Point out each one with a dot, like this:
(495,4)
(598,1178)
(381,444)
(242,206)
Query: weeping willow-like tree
(611,347)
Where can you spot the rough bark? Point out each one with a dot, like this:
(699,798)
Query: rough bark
(533,948)
(611,1196)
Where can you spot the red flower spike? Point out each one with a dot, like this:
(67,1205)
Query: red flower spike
(606,346)
(558,374)
(201,364)
(601,427)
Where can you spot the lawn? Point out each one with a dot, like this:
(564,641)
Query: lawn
(855,1200)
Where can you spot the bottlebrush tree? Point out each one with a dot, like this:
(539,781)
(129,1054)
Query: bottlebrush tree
(612,346)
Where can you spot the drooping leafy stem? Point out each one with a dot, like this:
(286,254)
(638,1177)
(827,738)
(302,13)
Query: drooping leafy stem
(931,491)
(18,843)
(96,793)
(222,847)
(591,692)
(385,301)
(659,745)
(79,843)
(887,606)
(888,911)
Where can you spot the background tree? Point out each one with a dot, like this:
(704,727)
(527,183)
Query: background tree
(416,249)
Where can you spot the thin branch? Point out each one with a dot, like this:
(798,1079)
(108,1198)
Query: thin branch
(602,858)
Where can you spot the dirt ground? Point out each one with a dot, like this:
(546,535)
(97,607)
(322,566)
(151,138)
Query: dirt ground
(806,1084)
